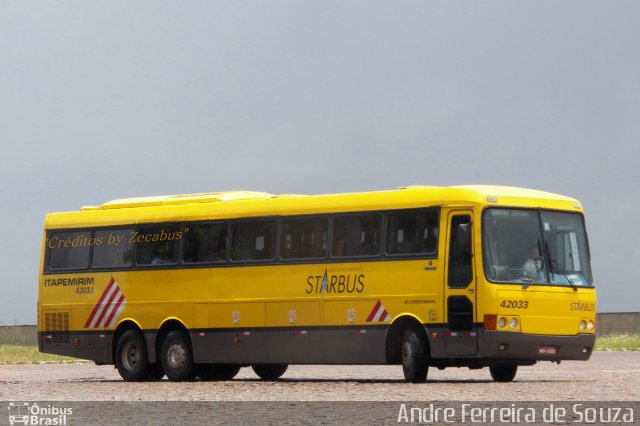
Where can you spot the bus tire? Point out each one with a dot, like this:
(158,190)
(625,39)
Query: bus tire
(131,356)
(154,372)
(503,373)
(413,357)
(218,371)
(176,357)
(269,371)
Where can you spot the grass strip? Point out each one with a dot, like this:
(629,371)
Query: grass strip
(10,354)
(618,342)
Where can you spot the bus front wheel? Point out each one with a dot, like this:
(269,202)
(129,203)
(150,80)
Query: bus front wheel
(131,356)
(269,371)
(414,358)
(503,373)
(176,356)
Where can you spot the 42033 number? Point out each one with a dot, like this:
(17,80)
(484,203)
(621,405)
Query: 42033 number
(514,304)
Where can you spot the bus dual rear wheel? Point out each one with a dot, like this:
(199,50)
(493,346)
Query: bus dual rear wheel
(269,371)
(154,372)
(176,356)
(131,359)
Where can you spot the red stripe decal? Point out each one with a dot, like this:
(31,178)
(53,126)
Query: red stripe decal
(383,316)
(373,312)
(95,308)
(106,308)
(115,309)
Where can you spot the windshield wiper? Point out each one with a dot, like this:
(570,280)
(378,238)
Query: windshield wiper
(569,279)
(555,269)
(571,283)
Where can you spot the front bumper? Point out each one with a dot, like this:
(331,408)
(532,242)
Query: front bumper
(522,346)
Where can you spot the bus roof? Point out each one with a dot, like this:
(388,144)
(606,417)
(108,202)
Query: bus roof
(233,204)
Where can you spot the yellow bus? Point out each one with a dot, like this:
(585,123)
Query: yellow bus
(201,285)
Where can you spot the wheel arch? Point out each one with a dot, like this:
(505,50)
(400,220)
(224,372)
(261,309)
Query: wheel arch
(393,337)
(123,325)
(169,325)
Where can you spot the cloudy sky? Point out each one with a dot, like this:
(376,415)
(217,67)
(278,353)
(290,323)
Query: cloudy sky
(111,99)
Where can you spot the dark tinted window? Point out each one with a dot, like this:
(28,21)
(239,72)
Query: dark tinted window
(205,243)
(253,240)
(460,266)
(69,250)
(113,249)
(157,245)
(304,238)
(356,235)
(415,232)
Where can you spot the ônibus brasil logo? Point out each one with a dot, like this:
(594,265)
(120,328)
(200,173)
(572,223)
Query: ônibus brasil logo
(25,413)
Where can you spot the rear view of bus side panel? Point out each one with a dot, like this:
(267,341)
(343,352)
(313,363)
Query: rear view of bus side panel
(65,307)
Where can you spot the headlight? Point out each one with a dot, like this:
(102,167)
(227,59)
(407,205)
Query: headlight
(513,323)
(583,325)
(590,326)
(502,322)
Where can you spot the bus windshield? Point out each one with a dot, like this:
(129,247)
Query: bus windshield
(535,247)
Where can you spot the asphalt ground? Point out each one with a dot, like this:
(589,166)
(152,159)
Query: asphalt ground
(312,394)
(607,376)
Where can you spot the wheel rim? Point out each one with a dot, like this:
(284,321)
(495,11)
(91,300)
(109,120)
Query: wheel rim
(176,356)
(131,355)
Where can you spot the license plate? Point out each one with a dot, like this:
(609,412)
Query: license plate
(548,350)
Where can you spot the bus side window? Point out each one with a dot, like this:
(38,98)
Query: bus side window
(205,243)
(304,238)
(115,249)
(413,233)
(460,266)
(356,235)
(69,250)
(157,245)
(254,240)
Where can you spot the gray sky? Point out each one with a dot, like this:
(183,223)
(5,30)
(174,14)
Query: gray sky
(112,99)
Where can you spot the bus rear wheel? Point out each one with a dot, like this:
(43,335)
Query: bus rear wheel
(131,356)
(503,373)
(269,371)
(414,358)
(218,371)
(176,357)
(154,372)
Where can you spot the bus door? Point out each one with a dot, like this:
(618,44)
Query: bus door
(460,286)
